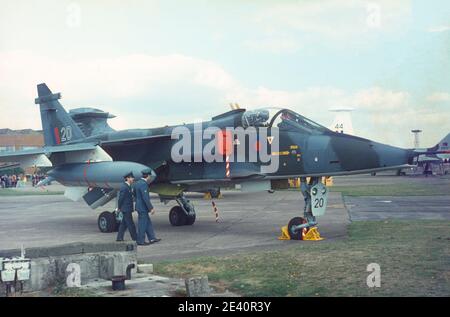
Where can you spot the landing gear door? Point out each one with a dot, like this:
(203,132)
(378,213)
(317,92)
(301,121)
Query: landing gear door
(319,199)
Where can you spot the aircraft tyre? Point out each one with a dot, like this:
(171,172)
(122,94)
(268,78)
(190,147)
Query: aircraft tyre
(107,222)
(215,193)
(177,216)
(299,234)
(190,220)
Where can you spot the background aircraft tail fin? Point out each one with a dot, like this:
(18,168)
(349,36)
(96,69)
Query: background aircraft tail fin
(58,126)
(443,145)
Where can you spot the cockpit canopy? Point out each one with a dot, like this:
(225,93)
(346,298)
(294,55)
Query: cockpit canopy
(284,119)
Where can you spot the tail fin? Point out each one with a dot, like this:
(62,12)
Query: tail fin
(443,145)
(58,126)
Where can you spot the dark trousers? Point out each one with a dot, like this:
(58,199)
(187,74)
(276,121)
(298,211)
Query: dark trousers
(127,223)
(145,227)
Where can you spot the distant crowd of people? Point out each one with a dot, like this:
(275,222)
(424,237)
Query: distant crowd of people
(8,181)
(13,181)
(36,178)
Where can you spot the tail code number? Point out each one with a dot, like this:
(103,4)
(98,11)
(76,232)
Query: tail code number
(66,134)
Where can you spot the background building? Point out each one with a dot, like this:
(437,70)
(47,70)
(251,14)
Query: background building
(15,140)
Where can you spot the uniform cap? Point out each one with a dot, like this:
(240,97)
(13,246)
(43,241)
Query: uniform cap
(130,174)
(146,171)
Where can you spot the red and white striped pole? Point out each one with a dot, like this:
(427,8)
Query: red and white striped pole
(216,212)
(227,166)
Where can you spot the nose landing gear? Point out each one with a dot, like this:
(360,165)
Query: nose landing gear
(183,214)
(316,197)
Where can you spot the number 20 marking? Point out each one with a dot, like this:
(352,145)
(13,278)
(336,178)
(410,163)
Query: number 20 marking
(66,134)
(318,203)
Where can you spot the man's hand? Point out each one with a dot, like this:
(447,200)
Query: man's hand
(152,212)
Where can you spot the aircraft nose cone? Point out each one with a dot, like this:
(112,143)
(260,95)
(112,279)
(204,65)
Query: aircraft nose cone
(355,153)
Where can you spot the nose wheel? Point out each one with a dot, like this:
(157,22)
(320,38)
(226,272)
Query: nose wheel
(297,234)
(316,198)
(183,214)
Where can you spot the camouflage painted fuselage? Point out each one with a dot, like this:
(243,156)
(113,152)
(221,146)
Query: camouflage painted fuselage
(311,151)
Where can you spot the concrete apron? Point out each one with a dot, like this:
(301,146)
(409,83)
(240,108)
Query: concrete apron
(49,266)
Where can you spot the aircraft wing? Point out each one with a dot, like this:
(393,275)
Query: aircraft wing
(67,154)
(8,166)
(429,159)
(26,158)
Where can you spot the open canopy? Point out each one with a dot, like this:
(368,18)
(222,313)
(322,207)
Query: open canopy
(284,119)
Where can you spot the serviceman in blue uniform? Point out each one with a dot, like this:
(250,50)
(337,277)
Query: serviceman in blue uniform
(126,207)
(144,207)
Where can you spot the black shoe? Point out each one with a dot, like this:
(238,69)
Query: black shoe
(155,240)
(119,240)
(145,243)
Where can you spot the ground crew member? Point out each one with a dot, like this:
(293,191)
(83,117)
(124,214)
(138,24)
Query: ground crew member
(126,207)
(143,207)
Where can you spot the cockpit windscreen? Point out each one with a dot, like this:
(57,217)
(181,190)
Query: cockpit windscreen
(284,119)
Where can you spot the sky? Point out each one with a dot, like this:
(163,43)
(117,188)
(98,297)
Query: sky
(153,63)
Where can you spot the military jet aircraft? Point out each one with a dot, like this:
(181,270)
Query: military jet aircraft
(90,158)
(436,155)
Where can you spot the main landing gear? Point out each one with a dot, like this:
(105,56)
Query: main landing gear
(183,214)
(109,221)
(316,196)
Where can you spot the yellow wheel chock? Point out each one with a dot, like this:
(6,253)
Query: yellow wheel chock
(311,235)
(284,234)
(207,196)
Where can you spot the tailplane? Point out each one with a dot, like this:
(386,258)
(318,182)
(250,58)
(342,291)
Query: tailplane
(58,126)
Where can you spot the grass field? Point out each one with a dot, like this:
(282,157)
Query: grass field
(392,190)
(414,258)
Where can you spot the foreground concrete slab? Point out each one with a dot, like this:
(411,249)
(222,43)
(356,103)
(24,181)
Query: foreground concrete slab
(145,268)
(197,286)
(50,266)
(141,285)
(70,249)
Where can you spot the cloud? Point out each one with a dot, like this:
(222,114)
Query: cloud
(439,29)
(379,99)
(370,99)
(289,26)
(121,77)
(439,97)
(142,83)
(273,44)
(335,19)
